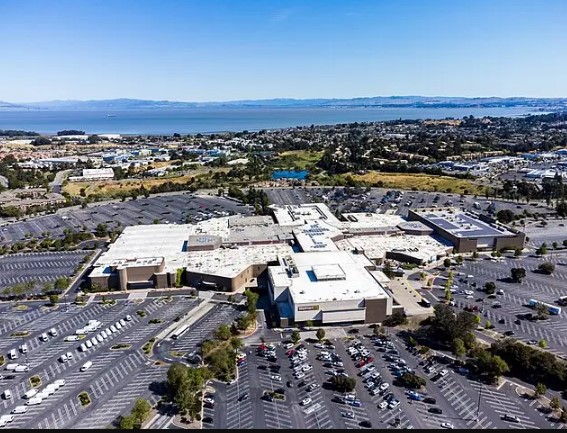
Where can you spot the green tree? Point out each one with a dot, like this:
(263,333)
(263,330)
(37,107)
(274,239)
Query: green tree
(223,333)
(412,342)
(53,299)
(412,381)
(554,245)
(141,410)
(127,422)
(518,274)
(540,389)
(458,347)
(61,283)
(447,262)
(397,318)
(517,252)
(295,336)
(488,325)
(542,344)
(459,259)
(546,268)
(561,209)
(309,323)
(542,250)
(555,403)
(101,230)
(320,334)
(251,300)
(343,384)
(505,216)
(490,287)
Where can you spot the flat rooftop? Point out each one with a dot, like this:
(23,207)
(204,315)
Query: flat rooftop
(295,215)
(375,247)
(328,276)
(317,236)
(462,224)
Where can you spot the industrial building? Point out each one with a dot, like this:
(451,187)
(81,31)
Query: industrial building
(467,231)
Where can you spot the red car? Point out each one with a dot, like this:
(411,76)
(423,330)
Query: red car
(290,352)
(369,359)
(360,363)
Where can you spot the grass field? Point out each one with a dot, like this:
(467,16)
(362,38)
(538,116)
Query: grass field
(420,182)
(300,159)
(107,188)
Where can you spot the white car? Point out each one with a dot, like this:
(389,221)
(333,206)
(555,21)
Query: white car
(128,318)
(72,338)
(349,415)
(393,404)
(118,325)
(69,356)
(276,377)
(21,368)
(384,386)
(48,390)
(94,341)
(383,405)
(59,382)
(113,328)
(103,334)
(443,373)
(99,338)
(307,368)
(88,344)
(447,425)
(300,375)
(6,418)
(305,401)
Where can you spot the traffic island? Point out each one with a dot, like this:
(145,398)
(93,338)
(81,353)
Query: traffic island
(84,398)
(35,381)
(121,346)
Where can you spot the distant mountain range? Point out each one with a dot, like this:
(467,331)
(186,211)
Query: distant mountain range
(375,101)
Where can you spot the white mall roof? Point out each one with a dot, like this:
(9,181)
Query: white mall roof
(342,278)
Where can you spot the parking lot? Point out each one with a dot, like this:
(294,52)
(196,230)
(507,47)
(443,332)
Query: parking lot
(179,209)
(38,268)
(202,329)
(116,378)
(505,311)
(448,400)
(376,200)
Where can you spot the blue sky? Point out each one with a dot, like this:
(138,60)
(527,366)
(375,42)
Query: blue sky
(213,50)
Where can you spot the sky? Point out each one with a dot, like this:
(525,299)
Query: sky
(220,50)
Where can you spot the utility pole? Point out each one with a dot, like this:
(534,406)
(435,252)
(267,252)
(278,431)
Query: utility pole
(478,403)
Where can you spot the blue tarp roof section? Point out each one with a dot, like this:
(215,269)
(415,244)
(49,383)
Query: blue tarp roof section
(290,174)
(479,228)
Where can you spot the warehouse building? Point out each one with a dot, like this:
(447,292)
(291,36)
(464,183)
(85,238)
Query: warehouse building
(467,231)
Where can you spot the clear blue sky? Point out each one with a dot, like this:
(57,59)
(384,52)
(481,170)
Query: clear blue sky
(213,50)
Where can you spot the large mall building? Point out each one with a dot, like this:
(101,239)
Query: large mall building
(316,266)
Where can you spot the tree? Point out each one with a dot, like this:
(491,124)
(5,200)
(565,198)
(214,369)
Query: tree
(295,336)
(412,342)
(475,255)
(101,230)
(447,262)
(542,250)
(488,325)
(309,323)
(561,209)
(555,403)
(490,287)
(223,333)
(458,347)
(554,245)
(397,318)
(540,389)
(251,300)
(459,259)
(127,422)
(547,268)
(53,299)
(141,410)
(518,274)
(505,216)
(542,344)
(320,334)
(412,381)
(61,283)
(343,384)
(517,252)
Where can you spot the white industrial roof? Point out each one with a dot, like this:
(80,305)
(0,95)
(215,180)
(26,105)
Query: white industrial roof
(343,278)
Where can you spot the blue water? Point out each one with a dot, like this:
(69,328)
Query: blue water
(209,120)
(289,174)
